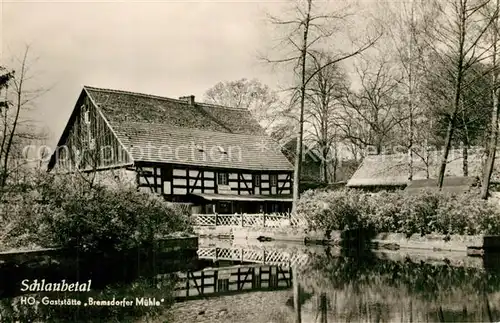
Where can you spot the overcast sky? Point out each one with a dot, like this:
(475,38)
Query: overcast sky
(169,48)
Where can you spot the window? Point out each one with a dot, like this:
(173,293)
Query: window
(222,179)
(257,180)
(86,115)
(274,180)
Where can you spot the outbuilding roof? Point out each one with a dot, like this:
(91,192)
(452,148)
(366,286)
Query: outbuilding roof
(392,170)
(450,184)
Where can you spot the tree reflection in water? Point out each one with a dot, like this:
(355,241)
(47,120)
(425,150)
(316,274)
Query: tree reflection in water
(336,285)
(140,273)
(11,309)
(355,286)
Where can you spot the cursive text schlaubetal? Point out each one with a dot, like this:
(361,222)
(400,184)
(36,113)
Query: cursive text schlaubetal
(62,286)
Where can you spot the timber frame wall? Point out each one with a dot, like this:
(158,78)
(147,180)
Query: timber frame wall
(178,180)
(90,143)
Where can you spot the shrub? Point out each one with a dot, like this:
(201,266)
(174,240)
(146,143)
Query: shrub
(423,213)
(418,213)
(334,210)
(385,211)
(68,212)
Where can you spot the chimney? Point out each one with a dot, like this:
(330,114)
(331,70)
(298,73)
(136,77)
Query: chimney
(189,99)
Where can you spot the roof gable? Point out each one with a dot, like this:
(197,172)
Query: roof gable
(84,137)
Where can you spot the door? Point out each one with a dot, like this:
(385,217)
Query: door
(225,208)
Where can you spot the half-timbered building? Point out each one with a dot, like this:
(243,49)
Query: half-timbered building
(217,158)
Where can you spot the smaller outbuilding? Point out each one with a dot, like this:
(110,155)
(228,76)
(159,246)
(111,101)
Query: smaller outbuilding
(392,172)
(450,184)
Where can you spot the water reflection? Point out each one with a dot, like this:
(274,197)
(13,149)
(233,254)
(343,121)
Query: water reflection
(301,284)
(132,274)
(364,287)
(18,310)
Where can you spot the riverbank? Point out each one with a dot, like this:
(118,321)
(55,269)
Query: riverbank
(469,244)
(174,246)
(299,250)
(243,308)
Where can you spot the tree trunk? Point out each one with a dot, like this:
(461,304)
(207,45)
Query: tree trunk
(465,141)
(488,308)
(12,133)
(465,156)
(410,98)
(441,314)
(410,154)
(323,308)
(298,157)
(458,90)
(411,311)
(444,158)
(296,296)
(325,165)
(335,165)
(492,145)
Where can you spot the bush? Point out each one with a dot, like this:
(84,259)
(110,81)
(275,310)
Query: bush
(384,210)
(68,212)
(334,210)
(428,212)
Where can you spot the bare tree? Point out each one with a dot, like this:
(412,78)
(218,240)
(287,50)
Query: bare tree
(371,114)
(455,38)
(405,26)
(258,98)
(323,101)
(308,26)
(16,130)
(495,95)
(474,107)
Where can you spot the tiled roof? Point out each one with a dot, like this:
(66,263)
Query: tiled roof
(237,120)
(122,106)
(392,170)
(164,143)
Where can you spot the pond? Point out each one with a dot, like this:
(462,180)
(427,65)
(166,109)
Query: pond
(223,282)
